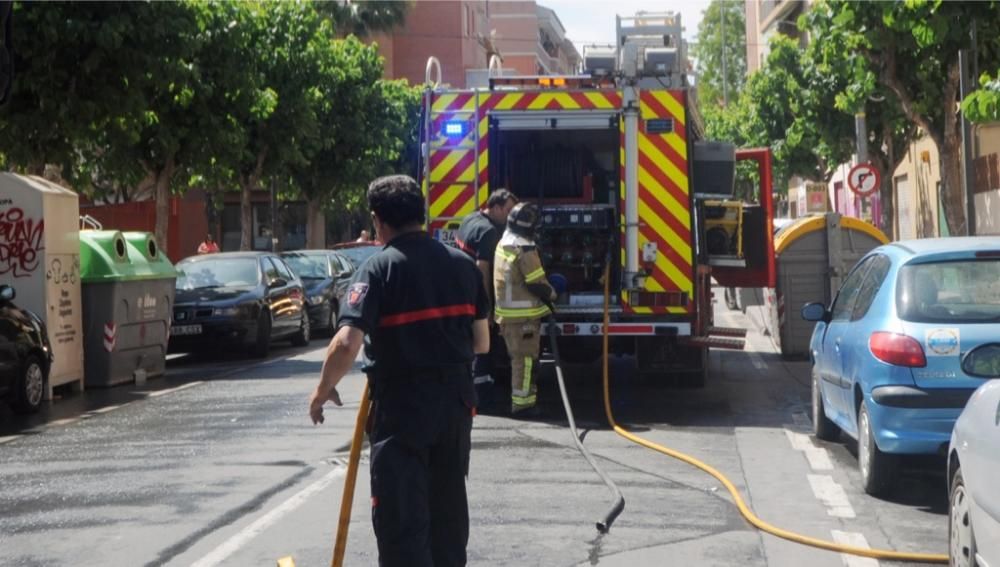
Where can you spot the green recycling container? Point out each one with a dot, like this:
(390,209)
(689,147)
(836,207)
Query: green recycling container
(128,298)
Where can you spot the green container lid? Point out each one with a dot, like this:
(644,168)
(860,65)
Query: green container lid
(110,256)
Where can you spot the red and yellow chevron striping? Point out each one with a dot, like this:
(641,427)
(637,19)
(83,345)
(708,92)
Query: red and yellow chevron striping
(664,197)
(458,180)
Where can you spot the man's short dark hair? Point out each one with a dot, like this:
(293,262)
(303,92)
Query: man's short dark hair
(499,198)
(397,201)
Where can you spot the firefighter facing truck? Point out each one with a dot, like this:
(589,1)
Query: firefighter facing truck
(523,299)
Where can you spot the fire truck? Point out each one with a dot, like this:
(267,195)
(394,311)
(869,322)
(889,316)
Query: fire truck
(617,161)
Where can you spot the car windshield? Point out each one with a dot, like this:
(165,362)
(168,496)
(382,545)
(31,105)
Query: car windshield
(218,272)
(308,266)
(950,292)
(358,255)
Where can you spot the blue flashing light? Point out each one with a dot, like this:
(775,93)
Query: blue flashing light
(454,128)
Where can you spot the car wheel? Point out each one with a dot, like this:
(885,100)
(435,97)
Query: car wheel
(823,427)
(262,344)
(304,334)
(30,386)
(878,469)
(961,538)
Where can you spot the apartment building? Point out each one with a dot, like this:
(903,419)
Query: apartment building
(462,34)
(531,39)
(764,19)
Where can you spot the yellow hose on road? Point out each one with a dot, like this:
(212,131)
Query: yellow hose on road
(745,510)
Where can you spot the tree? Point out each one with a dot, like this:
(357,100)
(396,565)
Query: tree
(160,64)
(287,42)
(983,105)
(70,81)
(848,76)
(356,144)
(721,35)
(787,105)
(913,47)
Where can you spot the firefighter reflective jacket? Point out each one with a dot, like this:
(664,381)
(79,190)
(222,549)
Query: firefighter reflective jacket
(516,265)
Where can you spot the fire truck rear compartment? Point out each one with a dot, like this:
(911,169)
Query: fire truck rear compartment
(573,175)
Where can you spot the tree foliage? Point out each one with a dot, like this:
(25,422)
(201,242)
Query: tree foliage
(715,39)
(215,94)
(983,105)
(910,50)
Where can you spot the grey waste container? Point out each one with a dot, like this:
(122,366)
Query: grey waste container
(128,297)
(813,256)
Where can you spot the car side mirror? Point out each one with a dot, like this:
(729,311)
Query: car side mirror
(277,282)
(814,312)
(7,293)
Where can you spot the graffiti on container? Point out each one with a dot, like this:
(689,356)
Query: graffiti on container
(20,242)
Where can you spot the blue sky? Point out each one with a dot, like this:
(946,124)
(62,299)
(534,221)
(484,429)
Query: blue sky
(593,21)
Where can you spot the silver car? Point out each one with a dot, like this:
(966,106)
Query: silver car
(973,467)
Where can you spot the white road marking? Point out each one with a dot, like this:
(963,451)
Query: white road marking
(107,409)
(757,361)
(9,438)
(855,540)
(819,459)
(159,393)
(233,544)
(65,421)
(832,495)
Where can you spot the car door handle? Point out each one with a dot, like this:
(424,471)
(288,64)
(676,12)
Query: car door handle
(836,345)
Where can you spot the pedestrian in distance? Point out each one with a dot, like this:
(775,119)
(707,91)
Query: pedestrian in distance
(364,237)
(425,309)
(524,298)
(208,246)
(478,236)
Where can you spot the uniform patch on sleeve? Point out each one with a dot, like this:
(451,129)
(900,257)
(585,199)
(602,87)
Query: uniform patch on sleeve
(357,293)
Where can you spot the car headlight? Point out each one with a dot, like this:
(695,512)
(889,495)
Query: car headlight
(316,300)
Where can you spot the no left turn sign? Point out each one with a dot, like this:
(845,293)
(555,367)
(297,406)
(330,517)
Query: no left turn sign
(863,179)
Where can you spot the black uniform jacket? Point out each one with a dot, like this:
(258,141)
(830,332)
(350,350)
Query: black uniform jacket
(416,300)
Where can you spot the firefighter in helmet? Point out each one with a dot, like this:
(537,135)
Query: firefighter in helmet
(523,299)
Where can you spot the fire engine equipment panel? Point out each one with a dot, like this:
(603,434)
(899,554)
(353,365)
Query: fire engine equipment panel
(574,242)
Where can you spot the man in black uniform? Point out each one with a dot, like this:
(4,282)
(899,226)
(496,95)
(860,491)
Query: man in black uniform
(478,236)
(424,307)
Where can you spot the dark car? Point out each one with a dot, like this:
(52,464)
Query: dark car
(325,275)
(358,252)
(25,354)
(247,299)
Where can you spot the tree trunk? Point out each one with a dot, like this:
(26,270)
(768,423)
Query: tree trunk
(951,184)
(950,150)
(164,176)
(249,182)
(315,224)
(246,213)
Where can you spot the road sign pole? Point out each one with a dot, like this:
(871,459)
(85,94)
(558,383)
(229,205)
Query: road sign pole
(861,132)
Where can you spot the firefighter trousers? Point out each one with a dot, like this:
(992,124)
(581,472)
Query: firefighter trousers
(419,460)
(523,343)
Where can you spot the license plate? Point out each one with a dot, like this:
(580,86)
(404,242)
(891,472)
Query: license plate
(446,236)
(185,330)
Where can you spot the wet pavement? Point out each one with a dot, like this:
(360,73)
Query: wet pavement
(218,464)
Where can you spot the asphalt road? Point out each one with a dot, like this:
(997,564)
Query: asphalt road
(217,464)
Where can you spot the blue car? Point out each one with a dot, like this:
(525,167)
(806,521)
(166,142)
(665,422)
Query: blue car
(894,358)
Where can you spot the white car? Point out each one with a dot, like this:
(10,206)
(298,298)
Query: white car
(973,467)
